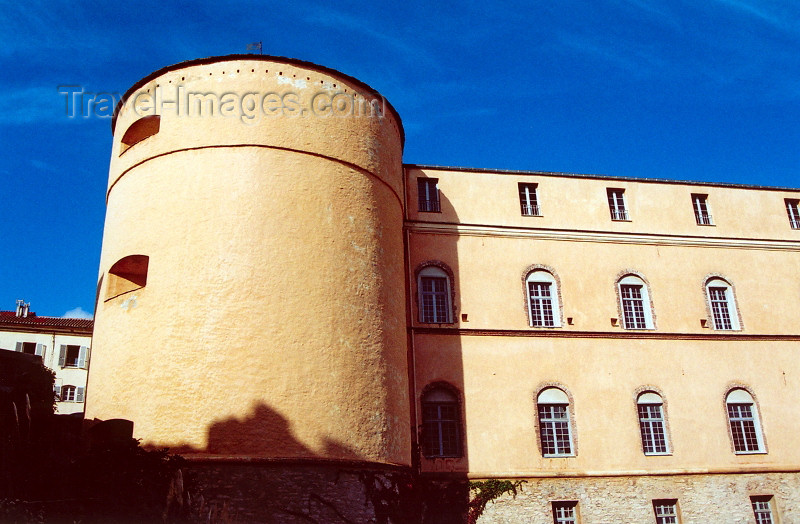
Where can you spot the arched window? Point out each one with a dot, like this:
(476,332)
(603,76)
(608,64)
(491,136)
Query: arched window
(722,304)
(435,306)
(651,423)
(635,303)
(543,306)
(555,427)
(441,423)
(744,423)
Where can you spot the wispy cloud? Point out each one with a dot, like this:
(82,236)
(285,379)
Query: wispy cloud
(33,104)
(40,104)
(332,18)
(78,312)
(788,20)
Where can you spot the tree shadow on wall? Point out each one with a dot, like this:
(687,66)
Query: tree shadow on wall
(271,476)
(264,432)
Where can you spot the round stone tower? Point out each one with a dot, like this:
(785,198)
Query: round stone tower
(251,302)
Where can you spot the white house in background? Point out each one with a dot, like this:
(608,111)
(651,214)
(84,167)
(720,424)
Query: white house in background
(63,343)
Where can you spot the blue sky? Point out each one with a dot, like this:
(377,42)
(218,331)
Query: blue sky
(677,89)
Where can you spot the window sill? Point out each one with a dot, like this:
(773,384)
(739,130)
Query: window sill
(532,215)
(666,454)
(750,452)
(621,220)
(545,327)
(558,456)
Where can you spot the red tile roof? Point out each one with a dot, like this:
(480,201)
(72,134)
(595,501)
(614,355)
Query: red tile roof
(9,319)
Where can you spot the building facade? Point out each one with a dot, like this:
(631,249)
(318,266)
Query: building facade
(338,324)
(621,347)
(64,345)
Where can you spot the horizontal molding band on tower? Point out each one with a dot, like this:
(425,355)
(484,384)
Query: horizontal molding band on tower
(260,146)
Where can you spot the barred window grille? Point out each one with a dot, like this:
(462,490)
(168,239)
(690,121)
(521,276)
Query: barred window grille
(616,204)
(720,308)
(701,211)
(541,303)
(666,511)
(440,422)
(554,429)
(651,423)
(633,307)
(434,300)
(564,512)
(428,194)
(528,200)
(793,210)
(743,427)
(762,508)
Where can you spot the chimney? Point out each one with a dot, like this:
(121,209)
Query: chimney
(22,308)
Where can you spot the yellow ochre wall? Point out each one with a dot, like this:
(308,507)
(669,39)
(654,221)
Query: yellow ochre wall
(273,318)
(499,363)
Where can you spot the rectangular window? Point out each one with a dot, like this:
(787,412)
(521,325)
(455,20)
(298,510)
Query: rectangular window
(616,204)
(554,430)
(565,512)
(72,356)
(633,307)
(666,511)
(440,429)
(701,212)
(651,422)
(541,304)
(428,194)
(31,348)
(68,394)
(528,201)
(719,308)
(762,508)
(793,210)
(434,300)
(743,427)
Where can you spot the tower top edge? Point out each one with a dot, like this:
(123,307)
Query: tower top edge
(257,58)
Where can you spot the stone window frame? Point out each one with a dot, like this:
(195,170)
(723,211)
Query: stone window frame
(664,414)
(557,296)
(667,501)
(462,435)
(573,419)
(451,284)
(770,501)
(759,420)
(620,312)
(707,298)
(574,504)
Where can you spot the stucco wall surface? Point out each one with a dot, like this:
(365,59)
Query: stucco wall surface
(272,322)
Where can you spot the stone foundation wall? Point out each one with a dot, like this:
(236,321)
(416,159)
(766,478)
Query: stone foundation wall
(712,498)
(289,493)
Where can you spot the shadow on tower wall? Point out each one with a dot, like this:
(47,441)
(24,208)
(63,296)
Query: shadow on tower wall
(437,361)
